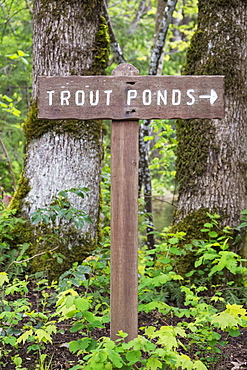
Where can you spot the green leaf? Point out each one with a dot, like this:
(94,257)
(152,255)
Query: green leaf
(3,278)
(199,262)
(24,61)
(36,218)
(17,361)
(167,337)
(87,219)
(25,336)
(76,327)
(222,262)
(153,363)
(79,344)
(213,270)
(43,336)
(82,304)
(115,359)
(225,320)
(109,345)
(10,340)
(173,240)
(133,356)
(63,193)
(198,365)
(213,234)
(234,332)
(79,223)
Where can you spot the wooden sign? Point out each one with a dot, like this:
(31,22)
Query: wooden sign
(125,97)
(131,97)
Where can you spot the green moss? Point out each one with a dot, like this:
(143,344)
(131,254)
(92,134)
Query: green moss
(214,50)
(223,35)
(195,139)
(23,189)
(101,48)
(50,261)
(79,129)
(192,224)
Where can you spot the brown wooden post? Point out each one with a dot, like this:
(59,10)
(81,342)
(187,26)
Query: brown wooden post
(124,222)
(125,97)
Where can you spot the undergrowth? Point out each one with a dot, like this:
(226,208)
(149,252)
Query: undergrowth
(194,315)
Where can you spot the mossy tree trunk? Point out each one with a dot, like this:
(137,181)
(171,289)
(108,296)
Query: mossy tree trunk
(212,154)
(69,38)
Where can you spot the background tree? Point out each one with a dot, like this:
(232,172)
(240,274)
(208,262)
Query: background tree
(211,165)
(69,38)
(152,22)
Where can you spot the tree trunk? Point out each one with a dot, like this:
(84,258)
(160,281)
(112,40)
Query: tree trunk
(69,38)
(212,154)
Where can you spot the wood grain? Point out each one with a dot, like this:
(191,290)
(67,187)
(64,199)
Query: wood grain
(124,223)
(130,97)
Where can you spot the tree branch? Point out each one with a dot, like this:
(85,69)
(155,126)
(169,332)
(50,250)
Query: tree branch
(30,258)
(161,37)
(29,6)
(116,48)
(159,47)
(143,9)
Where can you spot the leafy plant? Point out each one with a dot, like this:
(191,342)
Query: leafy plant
(215,254)
(139,353)
(61,209)
(9,251)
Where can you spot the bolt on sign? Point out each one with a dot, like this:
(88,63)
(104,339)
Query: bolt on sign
(125,97)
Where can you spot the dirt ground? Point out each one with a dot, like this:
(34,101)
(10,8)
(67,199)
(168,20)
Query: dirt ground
(233,355)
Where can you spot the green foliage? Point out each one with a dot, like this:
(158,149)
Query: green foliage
(15,79)
(94,276)
(61,208)
(136,37)
(141,353)
(162,155)
(82,302)
(214,252)
(8,252)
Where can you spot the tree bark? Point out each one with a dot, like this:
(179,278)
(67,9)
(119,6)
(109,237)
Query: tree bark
(69,38)
(212,154)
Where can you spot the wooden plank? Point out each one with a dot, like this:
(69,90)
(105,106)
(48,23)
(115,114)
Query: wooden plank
(124,228)
(124,223)
(131,97)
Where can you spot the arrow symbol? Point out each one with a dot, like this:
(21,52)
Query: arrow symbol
(213,96)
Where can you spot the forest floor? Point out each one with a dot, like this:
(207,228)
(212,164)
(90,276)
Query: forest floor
(233,356)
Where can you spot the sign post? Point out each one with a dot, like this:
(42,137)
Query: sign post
(124,221)
(125,97)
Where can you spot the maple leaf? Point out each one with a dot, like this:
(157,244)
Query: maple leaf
(225,320)
(235,309)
